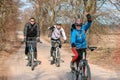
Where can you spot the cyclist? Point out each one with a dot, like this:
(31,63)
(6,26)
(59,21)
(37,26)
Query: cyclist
(56,32)
(78,38)
(31,30)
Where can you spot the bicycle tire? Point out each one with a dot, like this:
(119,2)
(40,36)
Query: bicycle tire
(52,61)
(74,75)
(87,73)
(57,57)
(29,59)
(32,60)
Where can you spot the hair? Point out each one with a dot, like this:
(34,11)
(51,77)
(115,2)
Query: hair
(59,24)
(32,18)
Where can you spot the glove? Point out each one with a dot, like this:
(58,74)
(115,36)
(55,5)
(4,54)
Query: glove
(60,46)
(65,41)
(89,18)
(73,45)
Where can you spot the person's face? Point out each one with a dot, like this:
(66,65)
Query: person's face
(58,27)
(78,26)
(32,21)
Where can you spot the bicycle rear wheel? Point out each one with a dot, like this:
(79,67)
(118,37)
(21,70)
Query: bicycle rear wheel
(86,73)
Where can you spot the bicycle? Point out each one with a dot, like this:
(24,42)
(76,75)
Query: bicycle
(56,54)
(31,44)
(82,69)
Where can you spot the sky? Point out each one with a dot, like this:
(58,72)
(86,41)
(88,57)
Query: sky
(27,5)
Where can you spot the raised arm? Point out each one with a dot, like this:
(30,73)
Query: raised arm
(89,22)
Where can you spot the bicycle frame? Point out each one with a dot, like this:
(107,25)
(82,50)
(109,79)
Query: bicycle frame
(30,44)
(84,68)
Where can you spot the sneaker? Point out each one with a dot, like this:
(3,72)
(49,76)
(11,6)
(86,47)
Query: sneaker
(26,57)
(51,60)
(72,66)
(35,59)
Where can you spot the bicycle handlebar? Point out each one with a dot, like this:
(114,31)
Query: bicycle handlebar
(90,48)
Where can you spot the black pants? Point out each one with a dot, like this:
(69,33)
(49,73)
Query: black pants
(53,42)
(80,53)
(34,47)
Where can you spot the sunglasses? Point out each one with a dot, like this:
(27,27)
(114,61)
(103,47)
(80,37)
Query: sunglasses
(32,21)
(78,25)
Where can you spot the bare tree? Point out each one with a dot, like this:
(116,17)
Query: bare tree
(8,11)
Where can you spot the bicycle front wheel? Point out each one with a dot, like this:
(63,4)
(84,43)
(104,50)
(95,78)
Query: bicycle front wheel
(86,73)
(32,60)
(57,57)
(75,75)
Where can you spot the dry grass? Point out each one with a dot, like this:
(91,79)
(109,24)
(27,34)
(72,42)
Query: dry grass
(105,57)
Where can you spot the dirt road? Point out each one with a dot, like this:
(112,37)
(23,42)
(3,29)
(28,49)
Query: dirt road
(17,69)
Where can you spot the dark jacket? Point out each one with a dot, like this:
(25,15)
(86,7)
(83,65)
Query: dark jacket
(32,30)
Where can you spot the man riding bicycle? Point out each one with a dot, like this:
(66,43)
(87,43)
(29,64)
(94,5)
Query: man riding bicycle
(56,32)
(78,38)
(31,33)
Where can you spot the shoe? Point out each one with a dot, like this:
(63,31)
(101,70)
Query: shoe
(40,41)
(26,57)
(72,66)
(35,59)
(51,60)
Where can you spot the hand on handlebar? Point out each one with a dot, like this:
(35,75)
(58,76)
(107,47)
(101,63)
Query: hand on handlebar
(92,48)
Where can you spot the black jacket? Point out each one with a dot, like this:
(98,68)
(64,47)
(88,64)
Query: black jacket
(32,30)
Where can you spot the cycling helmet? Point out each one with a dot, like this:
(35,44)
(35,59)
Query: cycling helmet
(58,22)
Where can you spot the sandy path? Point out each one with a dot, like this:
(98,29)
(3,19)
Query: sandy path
(19,71)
